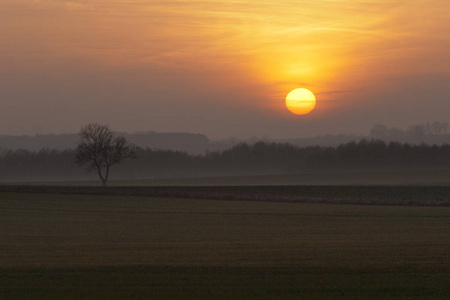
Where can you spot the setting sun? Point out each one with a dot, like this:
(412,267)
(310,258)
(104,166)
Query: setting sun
(300,101)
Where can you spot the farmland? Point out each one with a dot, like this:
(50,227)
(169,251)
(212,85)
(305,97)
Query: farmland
(113,246)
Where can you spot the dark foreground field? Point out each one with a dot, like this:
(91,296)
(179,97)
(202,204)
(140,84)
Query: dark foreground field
(368,195)
(55,246)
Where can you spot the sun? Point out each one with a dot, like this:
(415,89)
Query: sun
(300,101)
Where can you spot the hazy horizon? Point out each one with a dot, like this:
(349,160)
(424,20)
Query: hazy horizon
(220,138)
(222,68)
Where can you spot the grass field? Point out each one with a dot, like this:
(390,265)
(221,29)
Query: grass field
(71,246)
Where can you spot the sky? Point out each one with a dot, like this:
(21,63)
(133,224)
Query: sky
(222,68)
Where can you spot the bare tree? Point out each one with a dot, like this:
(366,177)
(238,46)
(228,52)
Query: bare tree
(99,149)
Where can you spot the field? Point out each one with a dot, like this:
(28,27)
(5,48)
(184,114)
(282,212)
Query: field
(70,246)
(373,178)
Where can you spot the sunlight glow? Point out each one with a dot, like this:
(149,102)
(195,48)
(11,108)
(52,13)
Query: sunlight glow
(259,48)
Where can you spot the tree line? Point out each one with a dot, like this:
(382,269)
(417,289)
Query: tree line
(417,132)
(260,158)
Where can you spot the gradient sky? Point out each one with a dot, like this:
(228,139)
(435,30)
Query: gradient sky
(222,68)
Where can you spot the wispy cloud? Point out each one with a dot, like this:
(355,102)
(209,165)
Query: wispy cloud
(257,48)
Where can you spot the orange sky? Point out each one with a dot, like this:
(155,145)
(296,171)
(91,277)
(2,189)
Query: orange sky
(222,68)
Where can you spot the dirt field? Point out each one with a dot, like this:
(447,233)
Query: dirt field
(71,246)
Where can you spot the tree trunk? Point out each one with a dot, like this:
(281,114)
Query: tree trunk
(106,176)
(103,179)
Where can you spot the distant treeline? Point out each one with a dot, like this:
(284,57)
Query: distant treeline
(194,143)
(261,158)
(414,133)
(178,141)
